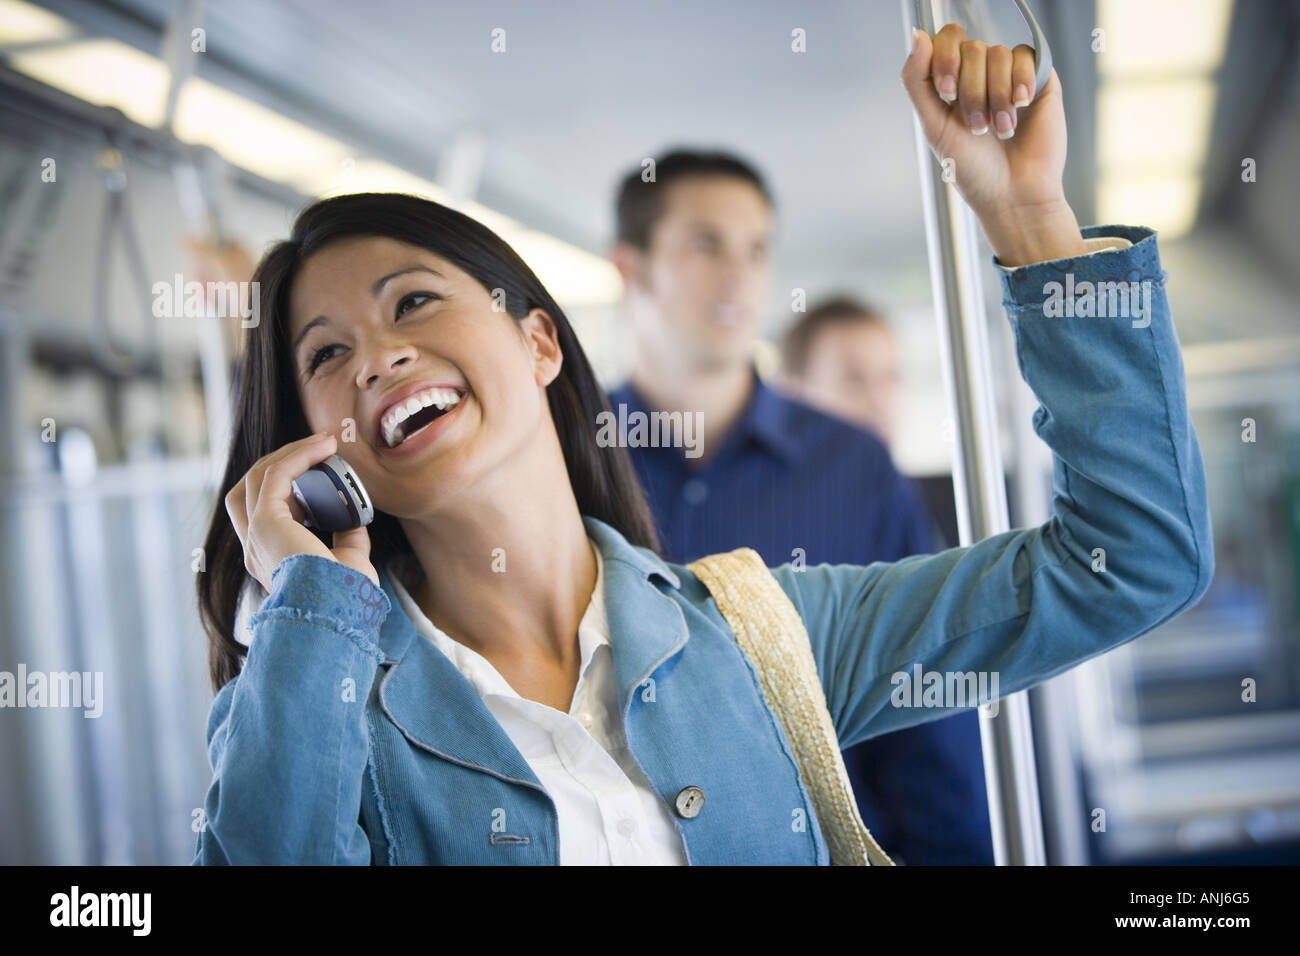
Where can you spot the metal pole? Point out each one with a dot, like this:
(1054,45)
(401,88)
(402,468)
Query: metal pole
(1052,709)
(1009,769)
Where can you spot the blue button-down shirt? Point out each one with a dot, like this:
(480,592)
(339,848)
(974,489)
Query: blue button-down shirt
(797,485)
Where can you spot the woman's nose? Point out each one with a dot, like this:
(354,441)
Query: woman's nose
(386,360)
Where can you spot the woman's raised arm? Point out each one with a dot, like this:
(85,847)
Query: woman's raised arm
(1128,545)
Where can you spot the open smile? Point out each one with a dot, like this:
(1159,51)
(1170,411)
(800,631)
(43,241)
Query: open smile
(415,412)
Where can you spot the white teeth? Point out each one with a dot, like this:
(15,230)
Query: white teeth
(443,398)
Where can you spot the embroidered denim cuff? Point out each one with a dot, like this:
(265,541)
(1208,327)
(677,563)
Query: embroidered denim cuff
(324,590)
(1031,288)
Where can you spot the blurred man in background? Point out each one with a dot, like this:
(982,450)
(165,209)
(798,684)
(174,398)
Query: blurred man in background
(795,484)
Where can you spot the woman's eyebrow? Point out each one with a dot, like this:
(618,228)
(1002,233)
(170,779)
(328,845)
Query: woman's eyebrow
(379,284)
(319,320)
(374,291)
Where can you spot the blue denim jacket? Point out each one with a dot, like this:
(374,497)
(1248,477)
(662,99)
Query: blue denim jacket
(349,739)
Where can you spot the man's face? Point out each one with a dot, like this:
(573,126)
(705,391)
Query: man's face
(700,287)
(853,373)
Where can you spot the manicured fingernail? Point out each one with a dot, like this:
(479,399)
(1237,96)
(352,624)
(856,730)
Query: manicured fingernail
(978,125)
(1006,128)
(947,88)
(1021,95)
(916,38)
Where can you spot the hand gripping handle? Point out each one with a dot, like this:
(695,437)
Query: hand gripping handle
(1042,52)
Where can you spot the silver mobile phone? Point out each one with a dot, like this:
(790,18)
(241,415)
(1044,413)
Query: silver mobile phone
(332,495)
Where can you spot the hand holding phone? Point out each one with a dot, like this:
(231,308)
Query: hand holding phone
(261,506)
(331,494)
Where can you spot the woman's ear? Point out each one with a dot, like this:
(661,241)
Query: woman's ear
(543,341)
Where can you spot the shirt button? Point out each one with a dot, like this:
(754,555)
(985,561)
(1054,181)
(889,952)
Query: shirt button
(627,826)
(585,719)
(689,803)
(695,491)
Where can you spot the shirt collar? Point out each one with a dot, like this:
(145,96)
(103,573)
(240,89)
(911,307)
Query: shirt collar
(615,547)
(646,628)
(593,629)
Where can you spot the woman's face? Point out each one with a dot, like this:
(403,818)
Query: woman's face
(375,325)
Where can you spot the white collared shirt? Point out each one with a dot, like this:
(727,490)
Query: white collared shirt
(608,811)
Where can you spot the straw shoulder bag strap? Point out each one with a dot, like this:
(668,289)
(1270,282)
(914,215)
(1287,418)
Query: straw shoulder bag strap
(770,632)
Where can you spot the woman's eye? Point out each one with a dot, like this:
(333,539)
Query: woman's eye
(321,355)
(412,300)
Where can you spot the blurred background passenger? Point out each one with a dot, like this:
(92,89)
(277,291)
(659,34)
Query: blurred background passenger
(776,475)
(222,262)
(842,357)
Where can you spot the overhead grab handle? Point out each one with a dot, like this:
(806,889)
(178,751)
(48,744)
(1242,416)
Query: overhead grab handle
(1042,52)
(925,17)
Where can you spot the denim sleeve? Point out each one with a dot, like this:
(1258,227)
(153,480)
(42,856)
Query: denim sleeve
(1127,547)
(287,738)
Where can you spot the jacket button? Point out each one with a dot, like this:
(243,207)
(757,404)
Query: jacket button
(690,802)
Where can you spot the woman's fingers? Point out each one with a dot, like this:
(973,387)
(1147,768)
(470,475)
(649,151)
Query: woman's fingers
(1023,74)
(1002,112)
(988,84)
(916,77)
(278,470)
(972,86)
(237,509)
(353,549)
(269,521)
(242,502)
(355,539)
(277,480)
(945,66)
(295,509)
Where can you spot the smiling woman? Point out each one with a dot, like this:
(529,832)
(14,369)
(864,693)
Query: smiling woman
(501,669)
(380,298)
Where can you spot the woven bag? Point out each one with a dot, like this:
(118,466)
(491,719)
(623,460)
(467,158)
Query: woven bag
(770,632)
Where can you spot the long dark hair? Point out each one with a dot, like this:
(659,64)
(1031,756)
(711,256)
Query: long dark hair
(269,415)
